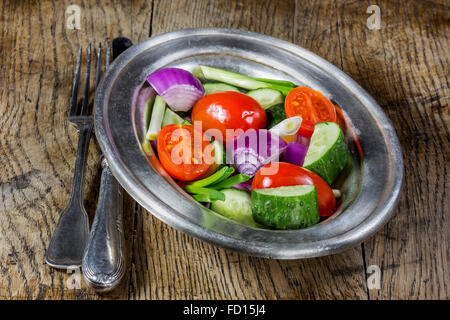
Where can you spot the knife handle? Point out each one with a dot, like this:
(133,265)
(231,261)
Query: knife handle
(104,258)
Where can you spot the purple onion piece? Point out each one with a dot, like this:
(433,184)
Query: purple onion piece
(246,186)
(253,149)
(178,87)
(141,95)
(188,118)
(303,140)
(295,153)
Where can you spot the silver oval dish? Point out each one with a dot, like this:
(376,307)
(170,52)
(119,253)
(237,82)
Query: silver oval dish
(371,185)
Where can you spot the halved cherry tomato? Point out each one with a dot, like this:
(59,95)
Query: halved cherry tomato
(291,175)
(177,153)
(312,106)
(228,110)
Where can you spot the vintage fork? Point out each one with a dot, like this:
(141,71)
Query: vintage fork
(71,233)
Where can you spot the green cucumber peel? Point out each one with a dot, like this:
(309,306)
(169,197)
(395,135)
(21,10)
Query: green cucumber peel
(232,181)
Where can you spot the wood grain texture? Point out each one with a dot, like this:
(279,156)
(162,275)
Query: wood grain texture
(404,66)
(37,146)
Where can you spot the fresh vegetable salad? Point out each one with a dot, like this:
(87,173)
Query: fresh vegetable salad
(261,152)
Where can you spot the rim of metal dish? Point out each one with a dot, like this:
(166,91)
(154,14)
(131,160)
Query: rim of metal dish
(273,250)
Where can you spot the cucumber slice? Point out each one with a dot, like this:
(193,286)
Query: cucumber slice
(219,159)
(237,207)
(328,153)
(292,207)
(266,97)
(171,117)
(218,87)
(275,115)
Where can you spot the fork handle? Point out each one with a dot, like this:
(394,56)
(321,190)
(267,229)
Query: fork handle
(70,236)
(85,132)
(104,257)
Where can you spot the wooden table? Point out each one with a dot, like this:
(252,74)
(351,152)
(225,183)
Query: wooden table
(404,65)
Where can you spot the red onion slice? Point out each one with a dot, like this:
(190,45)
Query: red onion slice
(253,149)
(178,87)
(295,153)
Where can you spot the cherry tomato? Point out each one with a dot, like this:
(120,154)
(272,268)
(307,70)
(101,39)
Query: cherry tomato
(312,106)
(177,153)
(228,110)
(291,175)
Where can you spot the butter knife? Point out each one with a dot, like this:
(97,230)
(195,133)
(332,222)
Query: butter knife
(104,257)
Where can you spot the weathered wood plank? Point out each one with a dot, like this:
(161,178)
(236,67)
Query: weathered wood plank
(37,146)
(405,66)
(170,265)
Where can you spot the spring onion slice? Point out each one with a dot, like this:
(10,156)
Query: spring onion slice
(216,177)
(213,194)
(235,79)
(232,181)
(159,108)
(283,83)
(287,127)
(202,197)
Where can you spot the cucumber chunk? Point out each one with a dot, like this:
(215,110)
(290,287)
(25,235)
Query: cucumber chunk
(266,97)
(275,115)
(328,153)
(292,207)
(237,207)
(171,117)
(218,87)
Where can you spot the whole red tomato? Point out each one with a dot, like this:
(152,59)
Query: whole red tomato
(291,175)
(228,110)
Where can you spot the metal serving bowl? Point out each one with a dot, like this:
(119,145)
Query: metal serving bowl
(371,185)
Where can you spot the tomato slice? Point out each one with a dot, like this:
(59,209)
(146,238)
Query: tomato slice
(291,175)
(179,155)
(312,106)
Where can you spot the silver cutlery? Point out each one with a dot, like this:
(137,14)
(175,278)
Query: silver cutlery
(70,236)
(104,258)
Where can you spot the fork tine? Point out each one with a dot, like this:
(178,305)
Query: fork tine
(99,65)
(76,81)
(85,106)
